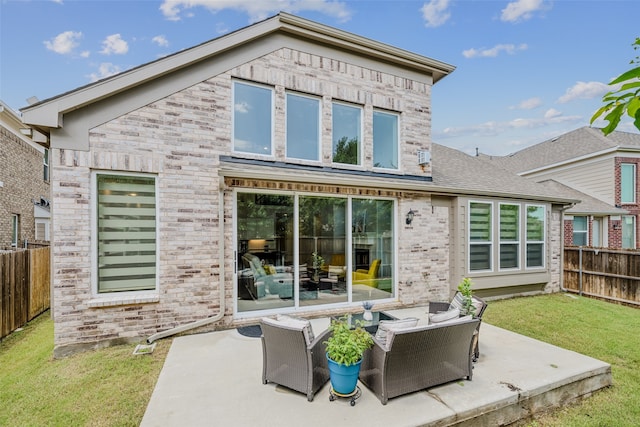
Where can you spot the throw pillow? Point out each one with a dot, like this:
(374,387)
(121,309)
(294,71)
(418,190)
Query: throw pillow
(296,322)
(443,316)
(385,326)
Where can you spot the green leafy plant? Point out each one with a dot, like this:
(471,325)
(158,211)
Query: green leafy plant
(627,97)
(345,345)
(464,287)
(318,261)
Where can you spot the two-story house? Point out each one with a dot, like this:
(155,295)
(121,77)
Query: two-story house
(286,167)
(24,183)
(604,169)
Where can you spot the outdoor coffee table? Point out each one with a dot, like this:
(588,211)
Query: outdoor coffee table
(370,326)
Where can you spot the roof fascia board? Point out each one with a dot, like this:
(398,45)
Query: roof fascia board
(590,156)
(275,174)
(49,113)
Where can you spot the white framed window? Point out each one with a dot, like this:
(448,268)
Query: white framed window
(628,232)
(347,134)
(252,118)
(580,231)
(535,236)
(42,229)
(509,236)
(627,183)
(125,232)
(45,161)
(303,127)
(480,236)
(385,140)
(15,230)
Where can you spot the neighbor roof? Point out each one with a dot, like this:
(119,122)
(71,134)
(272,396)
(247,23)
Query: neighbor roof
(588,205)
(580,143)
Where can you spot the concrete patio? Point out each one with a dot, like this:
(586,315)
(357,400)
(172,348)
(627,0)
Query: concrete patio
(215,379)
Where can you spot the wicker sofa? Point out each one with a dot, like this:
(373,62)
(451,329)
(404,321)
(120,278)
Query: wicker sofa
(418,358)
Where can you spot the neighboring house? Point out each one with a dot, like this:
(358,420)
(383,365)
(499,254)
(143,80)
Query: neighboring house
(286,167)
(24,184)
(605,168)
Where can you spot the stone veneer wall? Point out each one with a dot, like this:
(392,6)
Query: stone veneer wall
(180,139)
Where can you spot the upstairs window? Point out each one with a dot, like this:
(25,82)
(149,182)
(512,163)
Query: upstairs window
(45,161)
(347,134)
(627,183)
(385,140)
(480,236)
(252,118)
(303,127)
(535,236)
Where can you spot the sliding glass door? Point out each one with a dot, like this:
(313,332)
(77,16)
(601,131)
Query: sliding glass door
(299,250)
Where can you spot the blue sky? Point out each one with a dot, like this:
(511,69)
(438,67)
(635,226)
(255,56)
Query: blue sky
(527,70)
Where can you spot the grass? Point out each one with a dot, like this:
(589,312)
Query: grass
(602,330)
(108,387)
(111,387)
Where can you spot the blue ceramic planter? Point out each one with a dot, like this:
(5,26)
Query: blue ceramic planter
(343,378)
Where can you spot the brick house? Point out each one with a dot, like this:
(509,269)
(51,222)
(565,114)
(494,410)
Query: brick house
(24,184)
(286,167)
(601,171)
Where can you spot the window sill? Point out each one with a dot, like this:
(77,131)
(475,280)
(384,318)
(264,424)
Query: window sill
(123,300)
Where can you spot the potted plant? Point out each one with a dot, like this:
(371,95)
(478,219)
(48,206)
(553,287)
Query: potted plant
(345,347)
(465,290)
(317,263)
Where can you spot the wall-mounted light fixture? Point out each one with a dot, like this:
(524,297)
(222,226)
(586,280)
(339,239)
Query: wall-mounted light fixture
(410,215)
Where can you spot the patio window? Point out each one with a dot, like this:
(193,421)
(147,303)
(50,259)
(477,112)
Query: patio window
(480,236)
(627,183)
(303,127)
(509,236)
(580,237)
(252,118)
(385,140)
(535,236)
(126,233)
(347,134)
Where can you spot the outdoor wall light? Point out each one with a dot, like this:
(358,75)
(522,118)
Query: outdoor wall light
(410,215)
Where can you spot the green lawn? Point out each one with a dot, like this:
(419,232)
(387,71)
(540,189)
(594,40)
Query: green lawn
(111,387)
(602,330)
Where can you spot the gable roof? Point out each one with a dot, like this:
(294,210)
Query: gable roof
(48,113)
(578,144)
(476,175)
(588,205)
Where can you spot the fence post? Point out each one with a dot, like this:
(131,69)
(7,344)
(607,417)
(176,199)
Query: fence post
(580,271)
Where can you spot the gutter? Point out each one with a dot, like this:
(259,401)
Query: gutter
(220,315)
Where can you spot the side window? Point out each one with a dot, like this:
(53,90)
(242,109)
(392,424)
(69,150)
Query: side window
(580,230)
(252,118)
(628,232)
(535,236)
(45,161)
(480,236)
(15,230)
(347,134)
(627,183)
(509,236)
(126,233)
(385,140)
(303,127)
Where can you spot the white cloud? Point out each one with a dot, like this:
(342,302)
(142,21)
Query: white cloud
(242,107)
(85,54)
(64,43)
(257,10)
(552,113)
(114,44)
(436,13)
(494,51)
(527,104)
(105,69)
(584,90)
(520,10)
(160,41)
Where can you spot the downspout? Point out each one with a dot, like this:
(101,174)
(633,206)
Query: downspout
(220,315)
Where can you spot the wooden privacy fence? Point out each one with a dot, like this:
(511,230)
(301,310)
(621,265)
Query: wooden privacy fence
(603,273)
(24,287)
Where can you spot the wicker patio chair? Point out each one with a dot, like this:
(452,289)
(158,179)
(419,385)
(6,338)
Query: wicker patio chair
(418,358)
(479,303)
(288,360)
